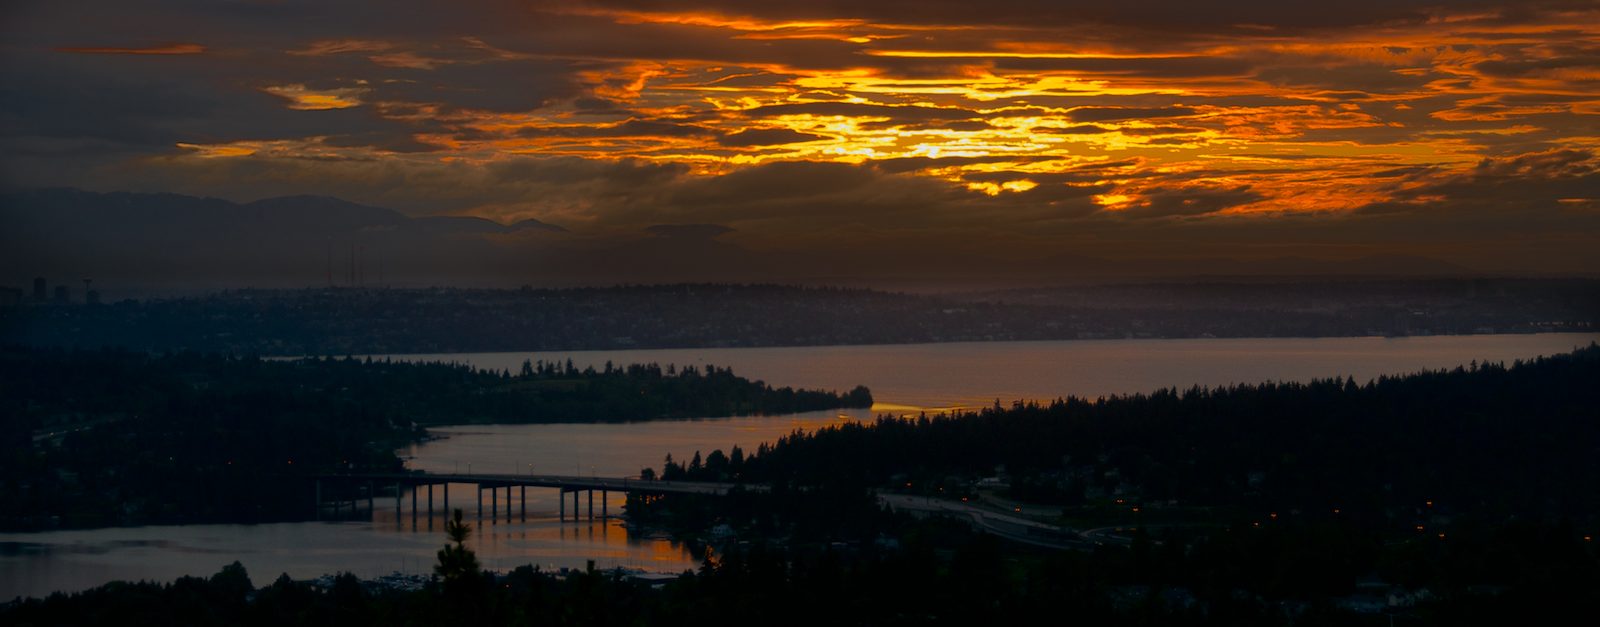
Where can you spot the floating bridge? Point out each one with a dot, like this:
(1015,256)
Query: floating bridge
(417,484)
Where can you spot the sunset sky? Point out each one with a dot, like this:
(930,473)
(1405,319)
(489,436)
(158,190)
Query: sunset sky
(1461,131)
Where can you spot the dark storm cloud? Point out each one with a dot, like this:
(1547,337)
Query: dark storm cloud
(1079,129)
(767,137)
(771,182)
(500,86)
(1248,16)
(1111,114)
(1368,78)
(913,164)
(1546,183)
(1192,201)
(955,125)
(630,128)
(1161,130)
(895,113)
(1165,67)
(159,100)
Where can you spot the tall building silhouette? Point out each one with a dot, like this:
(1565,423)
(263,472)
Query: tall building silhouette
(62,295)
(39,289)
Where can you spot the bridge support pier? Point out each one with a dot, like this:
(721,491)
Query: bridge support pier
(348,488)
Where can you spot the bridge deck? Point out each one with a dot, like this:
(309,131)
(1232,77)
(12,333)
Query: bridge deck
(568,482)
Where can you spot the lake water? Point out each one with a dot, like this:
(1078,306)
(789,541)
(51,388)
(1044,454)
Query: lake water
(966,374)
(903,378)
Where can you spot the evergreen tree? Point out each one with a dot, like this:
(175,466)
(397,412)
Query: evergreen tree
(458,565)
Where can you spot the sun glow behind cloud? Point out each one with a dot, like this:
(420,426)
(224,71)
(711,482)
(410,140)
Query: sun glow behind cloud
(302,99)
(1177,111)
(1025,118)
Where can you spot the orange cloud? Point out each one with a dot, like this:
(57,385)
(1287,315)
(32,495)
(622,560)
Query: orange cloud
(160,49)
(1012,109)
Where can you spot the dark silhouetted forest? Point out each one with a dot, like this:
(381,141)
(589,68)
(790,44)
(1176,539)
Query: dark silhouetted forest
(100,437)
(940,574)
(1484,443)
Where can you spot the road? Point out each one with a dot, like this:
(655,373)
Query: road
(1010,527)
(570,482)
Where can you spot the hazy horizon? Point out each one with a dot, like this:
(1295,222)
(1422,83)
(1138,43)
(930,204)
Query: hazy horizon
(145,244)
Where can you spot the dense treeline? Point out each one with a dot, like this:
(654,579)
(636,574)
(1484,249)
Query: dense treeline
(1460,496)
(1482,443)
(109,436)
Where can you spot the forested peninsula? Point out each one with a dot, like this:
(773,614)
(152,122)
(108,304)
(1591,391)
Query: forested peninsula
(98,437)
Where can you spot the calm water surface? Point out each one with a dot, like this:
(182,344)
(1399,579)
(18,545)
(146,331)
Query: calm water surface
(904,379)
(976,374)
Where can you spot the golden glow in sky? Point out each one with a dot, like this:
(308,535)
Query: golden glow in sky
(1028,113)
